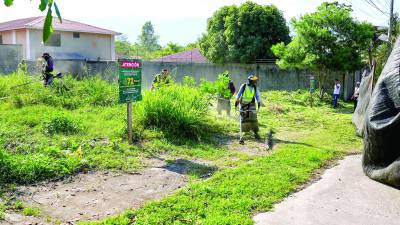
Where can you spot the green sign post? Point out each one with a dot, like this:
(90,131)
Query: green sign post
(130,81)
(130,87)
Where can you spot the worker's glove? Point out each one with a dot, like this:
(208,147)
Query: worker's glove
(259,105)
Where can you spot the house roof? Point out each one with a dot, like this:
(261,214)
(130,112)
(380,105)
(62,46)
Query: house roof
(193,55)
(66,25)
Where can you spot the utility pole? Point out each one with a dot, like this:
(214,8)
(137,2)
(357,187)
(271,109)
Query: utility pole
(391,22)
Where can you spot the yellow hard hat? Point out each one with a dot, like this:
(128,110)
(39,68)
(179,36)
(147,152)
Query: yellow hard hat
(252,78)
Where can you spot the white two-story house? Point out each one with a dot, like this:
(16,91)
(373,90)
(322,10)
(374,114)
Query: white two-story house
(70,40)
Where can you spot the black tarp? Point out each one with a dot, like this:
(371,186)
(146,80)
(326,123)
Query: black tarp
(381,158)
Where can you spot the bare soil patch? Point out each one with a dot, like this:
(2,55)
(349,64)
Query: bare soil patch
(96,195)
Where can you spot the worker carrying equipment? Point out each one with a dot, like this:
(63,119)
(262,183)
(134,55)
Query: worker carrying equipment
(247,97)
(161,79)
(225,95)
(47,70)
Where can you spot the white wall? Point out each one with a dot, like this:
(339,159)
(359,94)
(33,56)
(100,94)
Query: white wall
(21,40)
(90,46)
(7,37)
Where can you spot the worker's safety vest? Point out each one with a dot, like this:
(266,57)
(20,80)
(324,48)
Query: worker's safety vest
(159,81)
(248,96)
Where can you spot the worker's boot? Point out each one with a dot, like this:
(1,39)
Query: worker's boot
(241,141)
(257,136)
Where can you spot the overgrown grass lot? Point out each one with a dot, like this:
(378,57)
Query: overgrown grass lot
(48,133)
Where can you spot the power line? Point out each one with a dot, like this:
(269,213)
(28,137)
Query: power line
(384,3)
(364,12)
(371,3)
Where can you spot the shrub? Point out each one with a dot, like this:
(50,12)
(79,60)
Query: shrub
(61,124)
(177,109)
(189,81)
(221,85)
(219,88)
(207,86)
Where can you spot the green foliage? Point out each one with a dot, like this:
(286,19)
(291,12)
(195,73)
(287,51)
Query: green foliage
(207,87)
(18,205)
(8,2)
(24,169)
(147,38)
(22,69)
(61,124)
(31,211)
(2,211)
(179,110)
(381,54)
(169,49)
(60,130)
(189,81)
(244,34)
(219,88)
(125,49)
(68,93)
(327,40)
(222,85)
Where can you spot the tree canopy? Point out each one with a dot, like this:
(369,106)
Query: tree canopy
(48,23)
(147,39)
(326,40)
(244,34)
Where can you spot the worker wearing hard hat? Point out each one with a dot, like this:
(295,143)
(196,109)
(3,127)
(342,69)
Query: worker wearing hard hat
(247,97)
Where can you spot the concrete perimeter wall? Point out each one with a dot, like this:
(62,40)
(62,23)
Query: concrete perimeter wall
(10,57)
(271,77)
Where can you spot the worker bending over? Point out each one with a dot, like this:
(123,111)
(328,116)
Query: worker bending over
(161,79)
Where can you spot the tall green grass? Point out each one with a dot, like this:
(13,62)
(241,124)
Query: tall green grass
(179,110)
(22,90)
(75,124)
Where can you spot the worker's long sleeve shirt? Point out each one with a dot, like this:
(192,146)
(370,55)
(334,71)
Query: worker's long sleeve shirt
(241,90)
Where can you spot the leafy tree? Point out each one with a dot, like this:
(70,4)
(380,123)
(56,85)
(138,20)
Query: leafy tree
(147,39)
(124,48)
(327,40)
(170,49)
(244,33)
(48,23)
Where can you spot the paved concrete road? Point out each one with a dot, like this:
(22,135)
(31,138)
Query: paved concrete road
(344,196)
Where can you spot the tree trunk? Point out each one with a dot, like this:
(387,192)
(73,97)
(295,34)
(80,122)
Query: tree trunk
(321,78)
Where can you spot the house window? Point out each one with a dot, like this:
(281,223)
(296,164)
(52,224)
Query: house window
(1,40)
(54,40)
(77,35)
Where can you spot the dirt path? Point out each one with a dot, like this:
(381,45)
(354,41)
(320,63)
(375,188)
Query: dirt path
(344,195)
(96,195)
(93,196)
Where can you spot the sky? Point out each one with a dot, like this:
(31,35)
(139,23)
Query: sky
(178,21)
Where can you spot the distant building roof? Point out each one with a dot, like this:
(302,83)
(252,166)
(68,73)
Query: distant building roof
(66,25)
(193,55)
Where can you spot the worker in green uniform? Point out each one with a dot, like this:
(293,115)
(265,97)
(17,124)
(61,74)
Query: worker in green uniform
(161,79)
